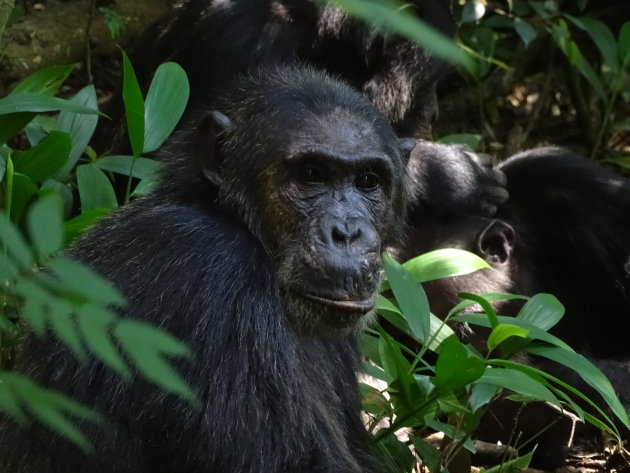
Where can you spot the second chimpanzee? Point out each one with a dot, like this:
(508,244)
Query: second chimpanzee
(565,230)
(261,250)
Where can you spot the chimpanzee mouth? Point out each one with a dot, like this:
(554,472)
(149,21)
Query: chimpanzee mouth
(346,305)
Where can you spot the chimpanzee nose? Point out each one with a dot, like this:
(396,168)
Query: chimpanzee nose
(344,234)
(349,234)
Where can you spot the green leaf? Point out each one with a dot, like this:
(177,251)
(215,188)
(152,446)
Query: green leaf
(471,141)
(624,43)
(79,127)
(5,152)
(45,159)
(513,465)
(502,332)
(145,345)
(490,296)
(45,227)
(95,190)
(30,102)
(45,81)
(454,368)
(63,325)
(560,34)
(51,407)
(83,282)
(410,297)
(63,190)
(603,38)
(36,305)
(165,104)
(114,22)
(485,305)
(542,311)
(588,372)
(393,16)
(142,167)
(134,107)
(525,30)
(78,225)
(444,263)
(481,395)
(518,382)
(23,190)
(95,324)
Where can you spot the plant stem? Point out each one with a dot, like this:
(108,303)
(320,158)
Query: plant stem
(8,189)
(130,177)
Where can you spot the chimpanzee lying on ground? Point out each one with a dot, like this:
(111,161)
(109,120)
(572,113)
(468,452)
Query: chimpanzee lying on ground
(261,250)
(566,231)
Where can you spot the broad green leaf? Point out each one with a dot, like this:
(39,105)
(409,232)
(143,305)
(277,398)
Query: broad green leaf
(148,184)
(389,15)
(624,43)
(603,38)
(471,141)
(454,368)
(95,324)
(45,81)
(542,310)
(502,332)
(63,190)
(23,190)
(36,305)
(481,395)
(165,104)
(45,159)
(146,346)
(444,263)
(9,403)
(410,297)
(140,167)
(84,283)
(95,189)
(518,382)
(525,30)
(588,372)
(429,454)
(30,102)
(439,332)
(79,127)
(45,227)
(134,107)
(78,225)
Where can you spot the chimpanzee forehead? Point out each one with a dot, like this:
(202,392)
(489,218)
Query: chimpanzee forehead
(342,130)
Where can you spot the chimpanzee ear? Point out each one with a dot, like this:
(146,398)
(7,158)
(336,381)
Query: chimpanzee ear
(496,242)
(406,145)
(212,127)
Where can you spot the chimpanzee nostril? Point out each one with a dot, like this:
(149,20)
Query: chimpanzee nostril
(345,234)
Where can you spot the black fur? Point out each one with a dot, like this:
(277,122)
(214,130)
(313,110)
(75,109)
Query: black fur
(200,262)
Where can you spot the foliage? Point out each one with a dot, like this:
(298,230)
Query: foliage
(45,160)
(453,394)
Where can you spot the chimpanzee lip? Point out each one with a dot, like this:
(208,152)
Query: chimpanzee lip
(348,305)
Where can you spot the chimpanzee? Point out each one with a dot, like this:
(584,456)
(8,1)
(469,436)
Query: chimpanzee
(565,230)
(261,250)
(215,39)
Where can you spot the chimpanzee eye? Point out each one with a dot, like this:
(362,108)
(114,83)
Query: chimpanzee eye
(310,175)
(368,181)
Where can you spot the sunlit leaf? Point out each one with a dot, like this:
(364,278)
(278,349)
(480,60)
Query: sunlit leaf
(165,104)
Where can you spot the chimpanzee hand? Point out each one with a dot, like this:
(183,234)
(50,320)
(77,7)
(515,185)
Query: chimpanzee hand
(449,180)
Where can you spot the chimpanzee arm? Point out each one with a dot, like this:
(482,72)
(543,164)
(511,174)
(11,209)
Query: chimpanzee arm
(451,181)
